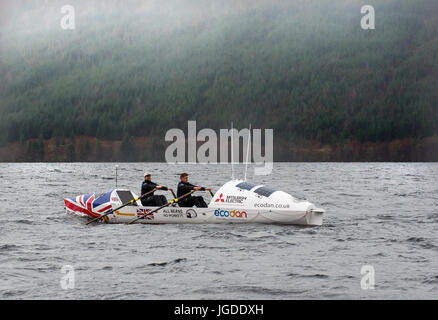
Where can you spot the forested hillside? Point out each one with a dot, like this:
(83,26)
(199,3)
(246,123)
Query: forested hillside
(134,69)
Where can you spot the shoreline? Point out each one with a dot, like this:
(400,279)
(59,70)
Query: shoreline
(152,149)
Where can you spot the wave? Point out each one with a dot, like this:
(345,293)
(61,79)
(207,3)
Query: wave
(165,263)
(8,247)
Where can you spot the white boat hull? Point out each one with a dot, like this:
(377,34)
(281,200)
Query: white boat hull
(235,202)
(210,215)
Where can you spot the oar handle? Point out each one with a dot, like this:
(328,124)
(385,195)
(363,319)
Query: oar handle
(163,206)
(209,191)
(122,206)
(173,193)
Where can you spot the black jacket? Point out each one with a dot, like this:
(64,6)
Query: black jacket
(149,186)
(184,188)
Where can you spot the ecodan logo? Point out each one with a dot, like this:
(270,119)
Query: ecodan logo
(231,214)
(213,150)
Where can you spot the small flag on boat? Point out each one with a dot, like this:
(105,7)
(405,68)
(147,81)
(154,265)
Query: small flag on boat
(145,213)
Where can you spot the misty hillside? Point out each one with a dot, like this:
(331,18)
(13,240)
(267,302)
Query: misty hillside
(137,68)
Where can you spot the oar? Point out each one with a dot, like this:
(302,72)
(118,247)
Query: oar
(173,193)
(123,205)
(210,192)
(163,206)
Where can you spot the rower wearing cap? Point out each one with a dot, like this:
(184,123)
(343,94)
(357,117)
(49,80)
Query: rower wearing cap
(152,200)
(184,186)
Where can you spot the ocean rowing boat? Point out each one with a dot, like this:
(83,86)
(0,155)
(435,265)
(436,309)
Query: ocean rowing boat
(236,201)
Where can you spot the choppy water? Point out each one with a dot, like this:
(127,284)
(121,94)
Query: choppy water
(379,214)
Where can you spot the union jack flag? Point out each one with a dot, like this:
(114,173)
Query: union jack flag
(90,204)
(145,213)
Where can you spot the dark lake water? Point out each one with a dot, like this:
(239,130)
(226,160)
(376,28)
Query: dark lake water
(379,214)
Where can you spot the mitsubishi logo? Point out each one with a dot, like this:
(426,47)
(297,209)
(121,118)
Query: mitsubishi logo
(220,198)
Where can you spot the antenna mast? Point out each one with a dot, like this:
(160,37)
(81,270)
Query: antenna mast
(247,151)
(116,173)
(232,152)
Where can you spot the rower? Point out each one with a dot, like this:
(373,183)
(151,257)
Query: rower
(152,200)
(184,186)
